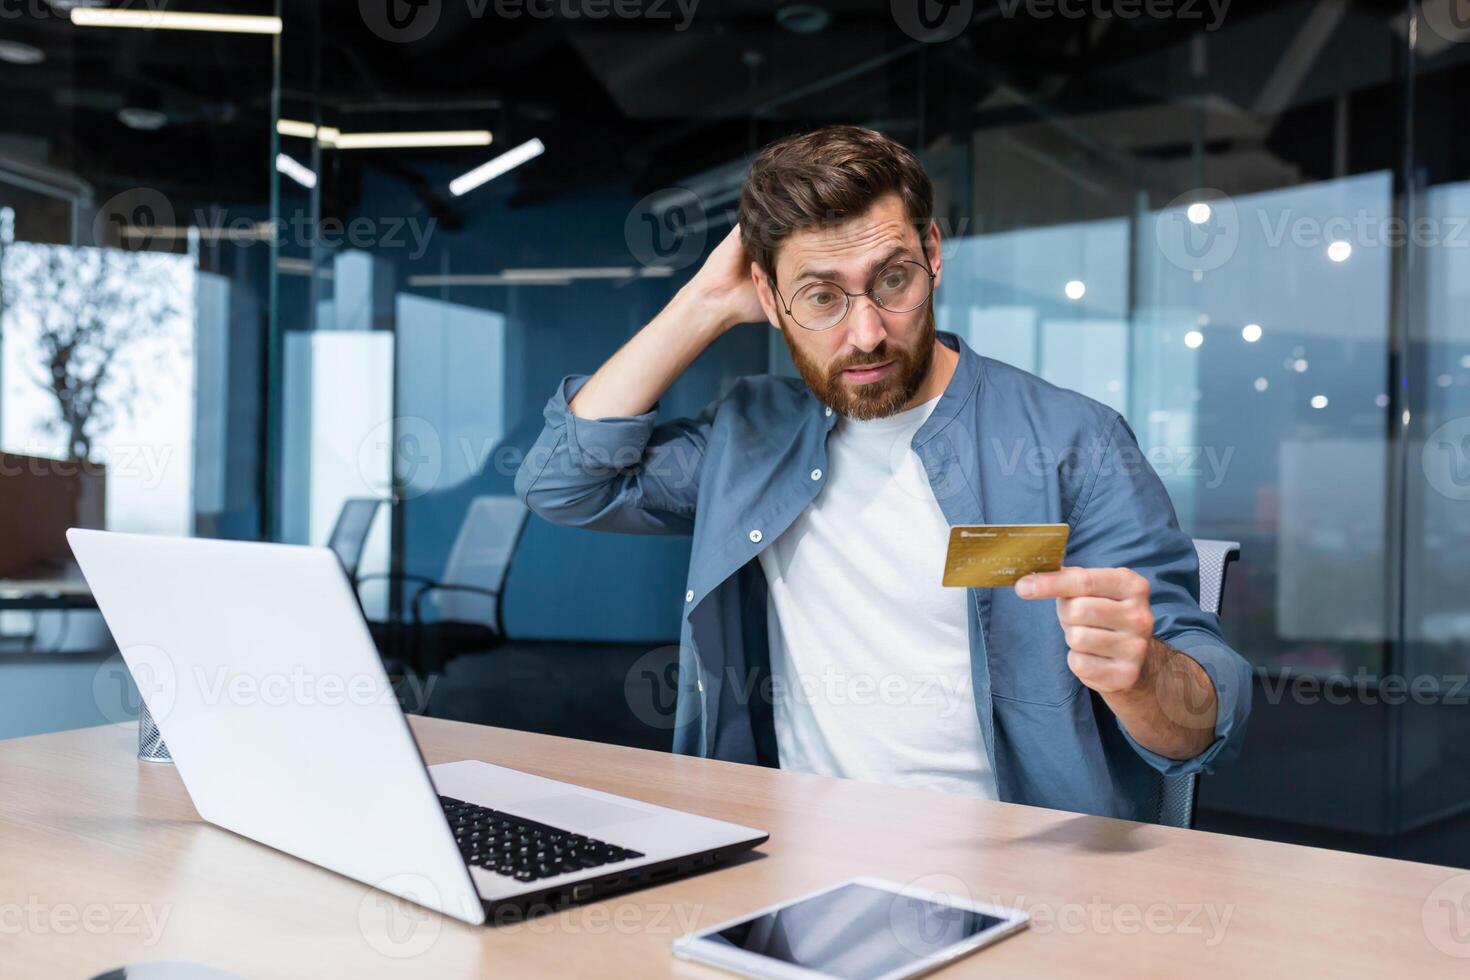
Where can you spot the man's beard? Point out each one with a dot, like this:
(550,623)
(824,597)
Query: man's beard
(876,399)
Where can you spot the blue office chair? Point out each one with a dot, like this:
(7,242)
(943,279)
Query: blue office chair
(1177,793)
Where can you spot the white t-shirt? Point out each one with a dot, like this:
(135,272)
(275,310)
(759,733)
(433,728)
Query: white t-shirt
(870,655)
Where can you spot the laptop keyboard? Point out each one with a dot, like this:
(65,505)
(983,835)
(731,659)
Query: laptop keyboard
(524,849)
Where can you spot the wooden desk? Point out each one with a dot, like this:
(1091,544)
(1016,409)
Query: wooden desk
(92,842)
(58,585)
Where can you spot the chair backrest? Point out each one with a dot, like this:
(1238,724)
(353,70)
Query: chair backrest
(481,558)
(349,534)
(1177,793)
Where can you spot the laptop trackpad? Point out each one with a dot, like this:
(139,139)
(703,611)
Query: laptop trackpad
(572,809)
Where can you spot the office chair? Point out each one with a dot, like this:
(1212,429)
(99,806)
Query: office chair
(349,534)
(1177,794)
(470,599)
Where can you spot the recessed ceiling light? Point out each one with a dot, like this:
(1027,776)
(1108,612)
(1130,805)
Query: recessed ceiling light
(403,141)
(509,160)
(145,120)
(1198,213)
(295,127)
(168,20)
(1340,251)
(1193,339)
(17,53)
(1319,401)
(1251,332)
(1075,289)
(803,18)
(296,170)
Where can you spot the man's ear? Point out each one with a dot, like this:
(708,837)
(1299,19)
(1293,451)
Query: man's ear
(762,284)
(933,252)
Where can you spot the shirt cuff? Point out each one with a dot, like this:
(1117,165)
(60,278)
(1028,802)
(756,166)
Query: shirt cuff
(599,446)
(1231,677)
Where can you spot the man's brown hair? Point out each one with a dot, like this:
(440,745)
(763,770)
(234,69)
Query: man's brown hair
(824,177)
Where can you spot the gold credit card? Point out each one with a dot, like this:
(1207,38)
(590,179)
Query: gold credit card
(991,556)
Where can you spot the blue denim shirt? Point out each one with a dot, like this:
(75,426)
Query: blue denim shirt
(1001,447)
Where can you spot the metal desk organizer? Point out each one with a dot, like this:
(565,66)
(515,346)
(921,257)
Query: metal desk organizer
(150,739)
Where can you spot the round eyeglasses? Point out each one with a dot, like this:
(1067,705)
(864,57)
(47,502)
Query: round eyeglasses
(901,287)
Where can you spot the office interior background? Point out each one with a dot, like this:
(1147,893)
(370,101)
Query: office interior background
(1246,226)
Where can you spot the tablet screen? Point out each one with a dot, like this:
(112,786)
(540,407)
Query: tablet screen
(856,931)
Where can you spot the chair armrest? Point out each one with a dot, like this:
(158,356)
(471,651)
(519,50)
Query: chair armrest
(417,603)
(395,577)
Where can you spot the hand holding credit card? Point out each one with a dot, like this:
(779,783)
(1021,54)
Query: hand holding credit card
(992,556)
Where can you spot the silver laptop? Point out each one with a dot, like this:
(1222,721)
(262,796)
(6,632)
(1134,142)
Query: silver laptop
(267,687)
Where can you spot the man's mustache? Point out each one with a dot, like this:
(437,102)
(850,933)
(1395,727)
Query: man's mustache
(876,356)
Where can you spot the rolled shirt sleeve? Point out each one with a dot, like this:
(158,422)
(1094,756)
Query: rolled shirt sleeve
(1125,519)
(623,473)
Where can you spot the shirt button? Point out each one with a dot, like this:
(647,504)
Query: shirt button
(755,536)
(829,411)
(816,474)
(689,596)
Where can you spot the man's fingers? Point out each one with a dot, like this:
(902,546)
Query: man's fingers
(1100,673)
(1072,582)
(1129,616)
(1109,644)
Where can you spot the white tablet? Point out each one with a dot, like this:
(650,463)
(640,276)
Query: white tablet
(864,928)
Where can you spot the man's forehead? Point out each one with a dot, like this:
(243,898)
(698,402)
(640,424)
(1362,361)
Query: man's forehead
(849,244)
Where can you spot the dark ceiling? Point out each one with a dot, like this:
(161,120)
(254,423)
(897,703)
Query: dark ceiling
(645,103)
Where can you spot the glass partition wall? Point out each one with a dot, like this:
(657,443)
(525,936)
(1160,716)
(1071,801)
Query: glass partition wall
(1242,227)
(134,270)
